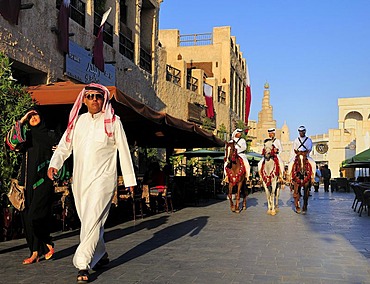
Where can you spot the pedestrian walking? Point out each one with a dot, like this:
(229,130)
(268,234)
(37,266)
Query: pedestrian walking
(316,184)
(36,144)
(93,138)
(326,176)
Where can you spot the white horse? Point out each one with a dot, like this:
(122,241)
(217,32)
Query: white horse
(269,174)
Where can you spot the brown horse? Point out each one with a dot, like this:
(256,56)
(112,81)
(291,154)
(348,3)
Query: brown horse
(301,179)
(235,171)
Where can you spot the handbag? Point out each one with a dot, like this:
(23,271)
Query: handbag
(16,192)
(16,195)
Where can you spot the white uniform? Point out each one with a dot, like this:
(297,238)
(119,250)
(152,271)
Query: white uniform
(241,147)
(302,144)
(277,144)
(94,179)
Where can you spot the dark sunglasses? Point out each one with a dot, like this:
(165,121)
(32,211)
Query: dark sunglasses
(94,96)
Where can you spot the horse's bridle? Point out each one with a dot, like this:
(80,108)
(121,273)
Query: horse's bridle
(232,159)
(304,174)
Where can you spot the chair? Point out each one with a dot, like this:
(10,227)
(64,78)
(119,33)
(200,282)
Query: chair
(124,194)
(356,199)
(161,192)
(363,199)
(367,200)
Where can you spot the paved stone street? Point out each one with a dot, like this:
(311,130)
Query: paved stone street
(210,244)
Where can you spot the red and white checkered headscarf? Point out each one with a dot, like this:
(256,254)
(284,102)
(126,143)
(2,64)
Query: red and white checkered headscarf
(107,109)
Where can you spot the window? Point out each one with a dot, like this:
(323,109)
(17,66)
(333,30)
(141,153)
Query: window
(77,10)
(107,29)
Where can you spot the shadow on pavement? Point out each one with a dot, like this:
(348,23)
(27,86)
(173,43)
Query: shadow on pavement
(160,238)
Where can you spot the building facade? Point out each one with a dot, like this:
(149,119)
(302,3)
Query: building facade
(130,42)
(192,64)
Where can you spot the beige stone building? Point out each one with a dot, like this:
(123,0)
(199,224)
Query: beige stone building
(350,138)
(189,63)
(130,42)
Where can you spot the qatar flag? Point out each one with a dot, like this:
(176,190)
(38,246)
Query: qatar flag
(9,9)
(63,26)
(248,98)
(208,94)
(98,57)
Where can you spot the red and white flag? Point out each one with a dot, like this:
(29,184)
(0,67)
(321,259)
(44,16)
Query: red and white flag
(9,9)
(208,94)
(63,26)
(248,98)
(98,57)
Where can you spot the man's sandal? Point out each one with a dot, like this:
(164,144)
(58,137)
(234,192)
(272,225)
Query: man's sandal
(83,276)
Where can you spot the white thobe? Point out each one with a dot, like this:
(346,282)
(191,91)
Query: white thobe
(94,179)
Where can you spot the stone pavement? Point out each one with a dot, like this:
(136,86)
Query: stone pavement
(210,244)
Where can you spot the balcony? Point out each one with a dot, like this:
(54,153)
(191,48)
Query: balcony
(191,83)
(173,75)
(126,47)
(145,60)
(195,39)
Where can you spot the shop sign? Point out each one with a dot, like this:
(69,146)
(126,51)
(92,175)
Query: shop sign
(79,67)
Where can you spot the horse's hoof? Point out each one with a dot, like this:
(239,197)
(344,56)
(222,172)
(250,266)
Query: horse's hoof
(269,212)
(244,207)
(298,210)
(273,213)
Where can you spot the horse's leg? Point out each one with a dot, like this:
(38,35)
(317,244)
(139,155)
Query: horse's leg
(268,194)
(296,197)
(305,197)
(272,197)
(277,195)
(245,189)
(230,195)
(237,201)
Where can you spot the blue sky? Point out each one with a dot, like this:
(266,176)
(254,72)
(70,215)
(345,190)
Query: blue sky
(311,52)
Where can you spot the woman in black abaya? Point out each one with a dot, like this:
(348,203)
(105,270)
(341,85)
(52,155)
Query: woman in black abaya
(36,144)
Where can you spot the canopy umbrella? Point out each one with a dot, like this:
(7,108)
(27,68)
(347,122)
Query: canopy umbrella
(361,160)
(252,157)
(200,153)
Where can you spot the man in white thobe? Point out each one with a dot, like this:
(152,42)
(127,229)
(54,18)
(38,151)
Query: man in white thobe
(94,138)
(302,143)
(277,144)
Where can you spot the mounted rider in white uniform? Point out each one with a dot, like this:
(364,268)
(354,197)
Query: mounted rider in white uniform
(277,144)
(241,147)
(302,143)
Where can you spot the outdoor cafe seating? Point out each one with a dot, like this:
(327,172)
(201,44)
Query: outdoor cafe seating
(362,197)
(340,183)
(124,194)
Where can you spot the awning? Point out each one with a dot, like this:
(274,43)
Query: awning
(200,153)
(252,157)
(361,160)
(144,126)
